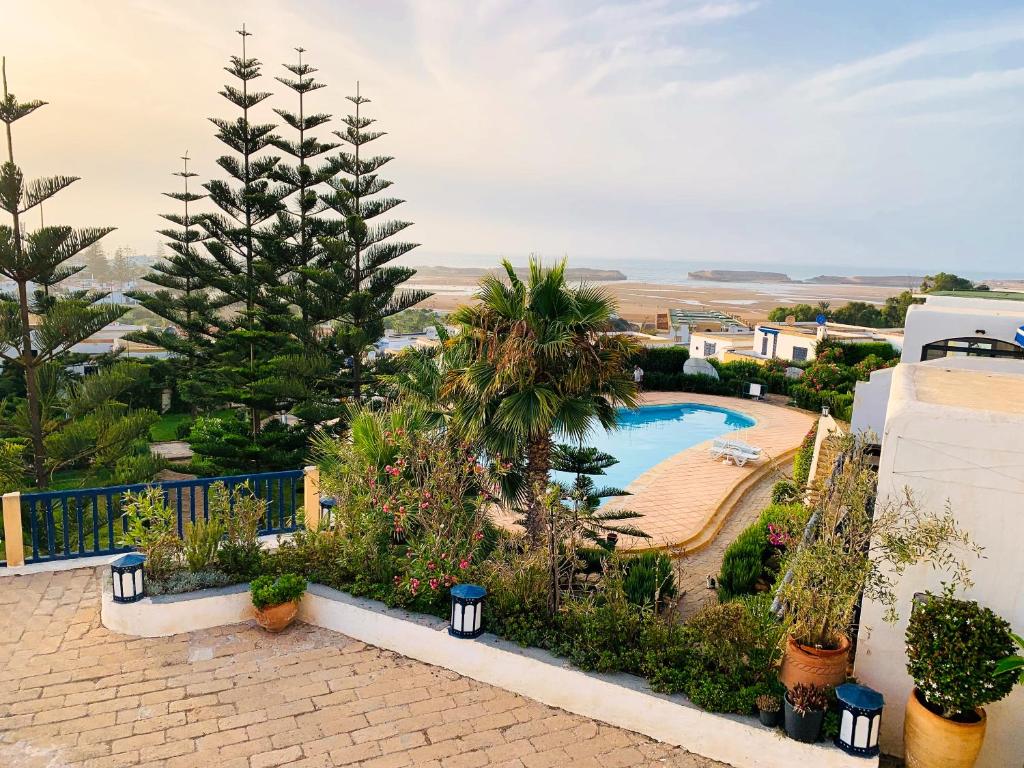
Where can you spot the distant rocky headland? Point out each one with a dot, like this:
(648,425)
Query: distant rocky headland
(739,276)
(571,273)
(753,276)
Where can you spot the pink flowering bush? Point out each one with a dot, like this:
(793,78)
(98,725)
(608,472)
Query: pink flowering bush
(410,507)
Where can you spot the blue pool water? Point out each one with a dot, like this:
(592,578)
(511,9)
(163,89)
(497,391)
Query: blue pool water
(649,435)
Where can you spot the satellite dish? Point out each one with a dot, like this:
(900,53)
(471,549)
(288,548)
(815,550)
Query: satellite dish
(699,366)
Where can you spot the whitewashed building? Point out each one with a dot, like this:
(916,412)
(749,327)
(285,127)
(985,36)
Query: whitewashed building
(953,433)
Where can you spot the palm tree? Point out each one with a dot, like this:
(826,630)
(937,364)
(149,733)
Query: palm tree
(532,362)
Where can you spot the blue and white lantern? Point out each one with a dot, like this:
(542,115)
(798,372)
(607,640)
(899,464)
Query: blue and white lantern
(860,719)
(128,578)
(467,611)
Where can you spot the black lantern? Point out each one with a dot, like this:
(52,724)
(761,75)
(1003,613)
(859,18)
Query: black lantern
(327,504)
(467,610)
(860,719)
(128,578)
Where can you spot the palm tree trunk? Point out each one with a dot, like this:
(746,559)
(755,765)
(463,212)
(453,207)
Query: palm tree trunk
(538,467)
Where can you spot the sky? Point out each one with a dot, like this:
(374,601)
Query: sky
(872,136)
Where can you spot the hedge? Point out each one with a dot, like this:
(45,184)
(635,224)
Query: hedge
(751,557)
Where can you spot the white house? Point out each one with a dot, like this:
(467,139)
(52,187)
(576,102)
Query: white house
(964,324)
(953,433)
(705,344)
(796,342)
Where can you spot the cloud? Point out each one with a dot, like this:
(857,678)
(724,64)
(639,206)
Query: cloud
(857,82)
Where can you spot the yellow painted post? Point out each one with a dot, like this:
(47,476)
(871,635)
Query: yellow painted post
(14,549)
(311,497)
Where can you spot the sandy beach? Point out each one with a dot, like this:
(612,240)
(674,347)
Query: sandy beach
(640,301)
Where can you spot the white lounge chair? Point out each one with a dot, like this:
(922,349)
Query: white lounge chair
(735,451)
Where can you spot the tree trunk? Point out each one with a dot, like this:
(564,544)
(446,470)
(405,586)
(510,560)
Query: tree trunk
(538,466)
(32,392)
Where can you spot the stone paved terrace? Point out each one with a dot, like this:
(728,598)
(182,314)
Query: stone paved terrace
(680,498)
(72,693)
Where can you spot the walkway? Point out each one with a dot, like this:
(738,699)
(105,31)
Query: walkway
(73,693)
(693,569)
(679,498)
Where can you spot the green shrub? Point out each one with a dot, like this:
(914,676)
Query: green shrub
(242,514)
(953,647)
(785,492)
(151,528)
(742,563)
(751,557)
(603,633)
(201,541)
(649,579)
(180,582)
(803,458)
(663,359)
(723,659)
(268,591)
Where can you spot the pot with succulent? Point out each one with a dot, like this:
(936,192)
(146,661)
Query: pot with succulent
(276,600)
(805,707)
(955,649)
(768,707)
(853,547)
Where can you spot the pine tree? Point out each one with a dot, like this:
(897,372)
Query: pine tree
(183,299)
(244,247)
(309,378)
(366,248)
(300,225)
(38,329)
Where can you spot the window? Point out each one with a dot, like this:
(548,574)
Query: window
(972,346)
(709,348)
(799,354)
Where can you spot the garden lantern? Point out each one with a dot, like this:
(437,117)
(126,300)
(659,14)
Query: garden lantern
(860,719)
(129,581)
(467,609)
(824,410)
(327,504)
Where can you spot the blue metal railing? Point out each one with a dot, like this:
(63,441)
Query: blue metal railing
(81,522)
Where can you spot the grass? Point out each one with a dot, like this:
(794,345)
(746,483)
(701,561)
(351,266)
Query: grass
(167,427)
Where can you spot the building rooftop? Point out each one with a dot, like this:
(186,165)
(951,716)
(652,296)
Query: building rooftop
(978,383)
(736,335)
(998,295)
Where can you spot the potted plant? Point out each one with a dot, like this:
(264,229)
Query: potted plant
(856,547)
(276,600)
(805,707)
(768,707)
(954,649)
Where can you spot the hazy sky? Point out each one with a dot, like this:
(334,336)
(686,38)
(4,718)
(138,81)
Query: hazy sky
(875,133)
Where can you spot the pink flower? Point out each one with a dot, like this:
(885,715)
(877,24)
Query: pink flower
(478,536)
(463,564)
(415,583)
(431,565)
(433,583)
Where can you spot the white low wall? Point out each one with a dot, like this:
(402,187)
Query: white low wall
(621,700)
(168,615)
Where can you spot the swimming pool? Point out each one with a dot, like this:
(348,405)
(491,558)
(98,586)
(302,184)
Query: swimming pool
(653,433)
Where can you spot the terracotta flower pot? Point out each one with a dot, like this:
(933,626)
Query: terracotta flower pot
(816,666)
(274,618)
(933,741)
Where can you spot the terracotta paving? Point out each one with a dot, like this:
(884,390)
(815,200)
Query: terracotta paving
(72,693)
(679,496)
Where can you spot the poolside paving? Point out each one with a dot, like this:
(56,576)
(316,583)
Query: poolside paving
(679,497)
(72,693)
